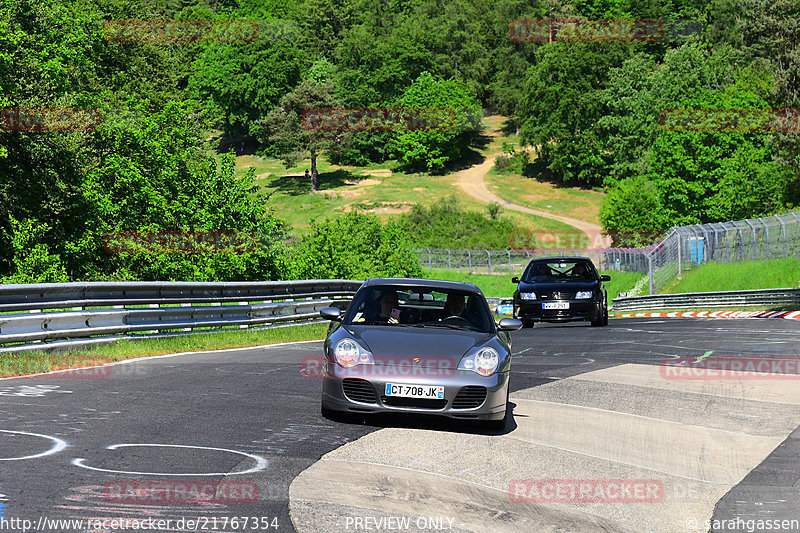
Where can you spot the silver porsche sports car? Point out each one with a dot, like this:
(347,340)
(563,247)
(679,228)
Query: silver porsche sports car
(417,345)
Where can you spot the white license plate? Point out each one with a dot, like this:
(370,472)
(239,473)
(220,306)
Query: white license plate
(432,392)
(555,305)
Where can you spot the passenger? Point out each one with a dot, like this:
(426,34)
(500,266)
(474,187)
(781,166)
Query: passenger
(543,271)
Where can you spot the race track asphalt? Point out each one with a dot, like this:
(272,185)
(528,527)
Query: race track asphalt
(252,417)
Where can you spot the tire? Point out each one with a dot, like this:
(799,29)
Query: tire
(327,413)
(605,318)
(597,323)
(500,425)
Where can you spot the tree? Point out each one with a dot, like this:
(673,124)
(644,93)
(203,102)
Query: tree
(560,107)
(451,130)
(241,82)
(284,127)
(355,246)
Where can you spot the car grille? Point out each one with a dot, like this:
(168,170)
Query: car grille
(414,403)
(470,397)
(561,295)
(359,390)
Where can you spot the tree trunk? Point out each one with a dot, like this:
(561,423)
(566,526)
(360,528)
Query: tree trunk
(314,180)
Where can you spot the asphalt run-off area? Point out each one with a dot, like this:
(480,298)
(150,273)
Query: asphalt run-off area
(622,428)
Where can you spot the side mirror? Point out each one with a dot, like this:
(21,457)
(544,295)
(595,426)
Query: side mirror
(331,313)
(509,324)
(605,278)
(515,279)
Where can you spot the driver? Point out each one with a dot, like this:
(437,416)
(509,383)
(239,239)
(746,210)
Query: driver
(579,270)
(389,303)
(454,305)
(543,270)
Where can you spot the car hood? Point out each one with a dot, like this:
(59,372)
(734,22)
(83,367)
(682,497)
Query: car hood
(570,286)
(434,346)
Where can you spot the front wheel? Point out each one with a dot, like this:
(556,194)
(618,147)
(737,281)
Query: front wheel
(500,425)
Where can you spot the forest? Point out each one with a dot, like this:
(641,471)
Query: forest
(157,113)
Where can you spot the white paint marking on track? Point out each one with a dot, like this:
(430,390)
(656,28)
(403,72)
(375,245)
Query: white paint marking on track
(57,446)
(261,463)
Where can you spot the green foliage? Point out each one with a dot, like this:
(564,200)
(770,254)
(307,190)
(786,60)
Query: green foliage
(690,177)
(354,246)
(283,125)
(242,82)
(634,212)
(32,259)
(560,108)
(431,149)
(494,209)
(514,161)
(446,224)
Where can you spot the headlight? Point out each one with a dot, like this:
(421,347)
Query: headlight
(527,295)
(484,362)
(582,295)
(348,354)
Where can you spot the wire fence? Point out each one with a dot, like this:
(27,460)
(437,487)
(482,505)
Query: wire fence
(680,249)
(499,262)
(684,247)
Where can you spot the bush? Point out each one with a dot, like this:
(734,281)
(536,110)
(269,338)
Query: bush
(447,225)
(354,246)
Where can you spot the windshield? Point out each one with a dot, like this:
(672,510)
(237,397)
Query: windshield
(559,271)
(421,307)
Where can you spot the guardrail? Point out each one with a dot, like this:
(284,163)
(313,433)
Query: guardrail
(101,312)
(762,297)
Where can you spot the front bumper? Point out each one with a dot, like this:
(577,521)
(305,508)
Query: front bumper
(531,311)
(361,390)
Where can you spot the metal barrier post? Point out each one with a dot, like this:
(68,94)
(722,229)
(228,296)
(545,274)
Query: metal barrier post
(783,235)
(490,261)
(650,273)
(754,237)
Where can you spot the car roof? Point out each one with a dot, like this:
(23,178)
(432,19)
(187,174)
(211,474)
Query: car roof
(561,258)
(414,282)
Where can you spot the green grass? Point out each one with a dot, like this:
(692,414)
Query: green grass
(747,275)
(491,286)
(16,364)
(573,202)
(387,194)
(501,286)
(378,189)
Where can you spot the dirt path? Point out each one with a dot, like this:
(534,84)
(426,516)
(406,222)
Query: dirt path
(471,180)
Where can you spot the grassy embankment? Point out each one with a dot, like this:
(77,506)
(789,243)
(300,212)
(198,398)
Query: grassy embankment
(15,364)
(747,275)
